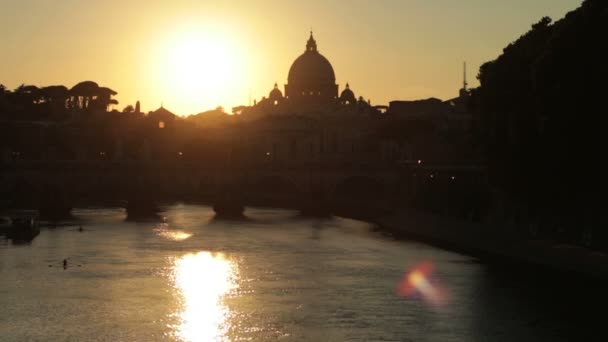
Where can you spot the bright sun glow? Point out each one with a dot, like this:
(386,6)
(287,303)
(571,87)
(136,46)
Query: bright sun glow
(200,64)
(199,69)
(203,279)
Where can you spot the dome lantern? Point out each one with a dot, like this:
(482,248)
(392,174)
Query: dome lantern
(311,45)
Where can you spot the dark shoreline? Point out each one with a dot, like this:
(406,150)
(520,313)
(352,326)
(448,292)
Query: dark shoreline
(496,244)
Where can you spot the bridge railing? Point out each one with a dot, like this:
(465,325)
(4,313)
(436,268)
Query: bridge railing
(69,164)
(35,165)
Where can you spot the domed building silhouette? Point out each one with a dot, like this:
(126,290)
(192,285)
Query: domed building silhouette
(275,96)
(311,78)
(311,88)
(313,120)
(347,97)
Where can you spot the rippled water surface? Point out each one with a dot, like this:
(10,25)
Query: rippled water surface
(274,275)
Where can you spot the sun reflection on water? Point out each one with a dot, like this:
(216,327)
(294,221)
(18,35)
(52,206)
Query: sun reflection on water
(175,236)
(203,279)
(164,231)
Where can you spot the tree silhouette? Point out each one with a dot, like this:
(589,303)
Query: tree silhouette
(128,109)
(537,110)
(89,95)
(82,93)
(24,97)
(55,97)
(3,94)
(3,105)
(104,98)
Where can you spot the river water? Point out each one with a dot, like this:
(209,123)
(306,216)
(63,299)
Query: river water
(272,276)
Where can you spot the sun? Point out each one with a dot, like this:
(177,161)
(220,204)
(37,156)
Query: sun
(200,70)
(200,64)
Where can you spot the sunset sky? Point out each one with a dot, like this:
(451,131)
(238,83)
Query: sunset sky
(196,55)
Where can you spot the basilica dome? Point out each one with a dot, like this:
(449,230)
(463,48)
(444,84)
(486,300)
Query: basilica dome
(311,67)
(311,77)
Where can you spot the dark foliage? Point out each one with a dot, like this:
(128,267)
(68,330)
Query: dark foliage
(540,114)
(55,102)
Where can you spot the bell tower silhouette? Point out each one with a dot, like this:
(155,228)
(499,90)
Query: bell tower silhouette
(464,92)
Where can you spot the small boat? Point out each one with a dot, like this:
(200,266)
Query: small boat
(228,207)
(228,210)
(23,227)
(5,224)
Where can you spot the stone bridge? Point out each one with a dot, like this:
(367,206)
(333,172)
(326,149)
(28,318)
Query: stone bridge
(284,184)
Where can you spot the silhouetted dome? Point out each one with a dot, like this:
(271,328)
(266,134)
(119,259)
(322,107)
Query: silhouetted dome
(347,95)
(275,93)
(311,67)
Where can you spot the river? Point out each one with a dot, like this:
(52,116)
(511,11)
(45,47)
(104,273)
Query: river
(273,275)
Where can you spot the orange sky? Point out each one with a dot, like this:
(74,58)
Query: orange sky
(149,50)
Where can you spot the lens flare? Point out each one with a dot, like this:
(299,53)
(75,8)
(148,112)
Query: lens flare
(419,282)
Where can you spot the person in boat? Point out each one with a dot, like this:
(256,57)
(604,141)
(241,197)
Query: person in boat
(65,263)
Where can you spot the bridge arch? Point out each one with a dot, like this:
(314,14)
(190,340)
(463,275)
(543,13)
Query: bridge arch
(359,185)
(274,185)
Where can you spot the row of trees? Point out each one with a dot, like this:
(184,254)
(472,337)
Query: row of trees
(32,102)
(539,110)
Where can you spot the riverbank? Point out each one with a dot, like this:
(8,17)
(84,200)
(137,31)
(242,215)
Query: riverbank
(494,242)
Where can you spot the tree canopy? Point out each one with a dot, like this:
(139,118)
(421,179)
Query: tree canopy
(50,102)
(539,109)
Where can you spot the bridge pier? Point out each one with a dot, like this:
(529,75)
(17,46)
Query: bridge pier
(53,202)
(228,206)
(316,205)
(141,208)
(141,203)
(55,209)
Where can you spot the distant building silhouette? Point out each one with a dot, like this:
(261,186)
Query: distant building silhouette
(347,97)
(311,88)
(313,120)
(464,92)
(161,117)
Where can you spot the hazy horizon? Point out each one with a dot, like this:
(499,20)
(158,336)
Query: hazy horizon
(151,51)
